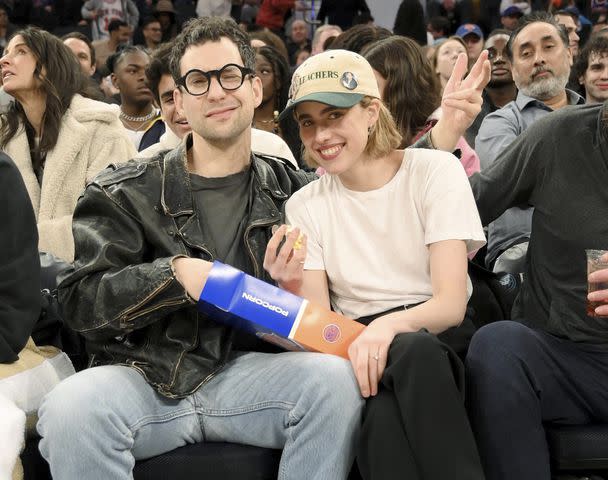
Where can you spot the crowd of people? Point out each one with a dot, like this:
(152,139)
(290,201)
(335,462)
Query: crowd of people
(139,146)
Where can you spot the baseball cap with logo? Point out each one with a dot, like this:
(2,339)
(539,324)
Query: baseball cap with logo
(335,77)
(469,29)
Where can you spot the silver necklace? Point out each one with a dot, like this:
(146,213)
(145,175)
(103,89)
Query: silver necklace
(135,118)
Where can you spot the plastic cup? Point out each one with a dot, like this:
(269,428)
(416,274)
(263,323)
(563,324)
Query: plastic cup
(595,262)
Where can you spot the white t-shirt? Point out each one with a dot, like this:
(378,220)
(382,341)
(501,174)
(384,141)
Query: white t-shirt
(374,245)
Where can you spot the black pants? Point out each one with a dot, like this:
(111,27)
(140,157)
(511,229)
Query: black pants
(520,378)
(416,427)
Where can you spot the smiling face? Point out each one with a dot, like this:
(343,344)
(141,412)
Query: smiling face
(130,78)
(18,65)
(595,78)
(219,115)
(541,61)
(83,54)
(335,138)
(176,121)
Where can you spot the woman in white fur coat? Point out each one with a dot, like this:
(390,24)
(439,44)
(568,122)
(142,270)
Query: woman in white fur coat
(58,139)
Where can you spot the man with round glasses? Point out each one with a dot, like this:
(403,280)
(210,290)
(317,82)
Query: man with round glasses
(146,233)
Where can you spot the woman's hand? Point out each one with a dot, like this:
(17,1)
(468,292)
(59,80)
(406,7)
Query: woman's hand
(461,102)
(368,354)
(284,263)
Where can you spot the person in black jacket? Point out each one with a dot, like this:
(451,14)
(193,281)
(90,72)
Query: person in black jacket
(19,264)
(26,372)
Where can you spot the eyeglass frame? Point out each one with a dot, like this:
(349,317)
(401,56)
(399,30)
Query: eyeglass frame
(181,82)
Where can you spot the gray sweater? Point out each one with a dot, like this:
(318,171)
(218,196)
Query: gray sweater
(559,166)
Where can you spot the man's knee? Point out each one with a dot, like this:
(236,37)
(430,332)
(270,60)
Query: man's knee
(490,343)
(79,400)
(334,382)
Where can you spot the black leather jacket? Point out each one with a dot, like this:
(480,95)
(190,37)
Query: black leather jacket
(123,297)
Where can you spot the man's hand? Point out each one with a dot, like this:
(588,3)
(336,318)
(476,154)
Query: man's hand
(600,276)
(461,102)
(285,263)
(192,273)
(368,354)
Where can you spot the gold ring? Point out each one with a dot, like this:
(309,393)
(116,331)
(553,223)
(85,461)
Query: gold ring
(375,357)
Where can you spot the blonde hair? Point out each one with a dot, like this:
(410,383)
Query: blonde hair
(384,136)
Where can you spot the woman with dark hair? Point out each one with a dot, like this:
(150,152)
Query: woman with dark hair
(410,89)
(273,70)
(275,74)
(58,139)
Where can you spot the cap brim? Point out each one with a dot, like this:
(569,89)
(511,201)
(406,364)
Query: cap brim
(335,99)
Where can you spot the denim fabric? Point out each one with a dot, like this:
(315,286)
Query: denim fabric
(100,421)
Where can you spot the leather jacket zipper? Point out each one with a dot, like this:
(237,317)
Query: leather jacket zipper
(127,315)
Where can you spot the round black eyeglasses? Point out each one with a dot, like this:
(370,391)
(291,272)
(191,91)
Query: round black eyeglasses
(230,77)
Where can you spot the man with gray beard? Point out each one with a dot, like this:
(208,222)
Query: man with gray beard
(540,58)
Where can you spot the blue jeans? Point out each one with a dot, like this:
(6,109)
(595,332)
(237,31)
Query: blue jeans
(97,423)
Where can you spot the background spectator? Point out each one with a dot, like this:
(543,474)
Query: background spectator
(165,12)
(472,36)
(298,39)
(321,35)
(138,114)
(409,21)
(445,56)
(213,8)
(152,33)
(356,38)
(101,13)
(569,22)
(510,16)
(590,70)
(6,27)
(59,139)
(501,88)
(119,35)
(341,12)
(272,13)
(439,28)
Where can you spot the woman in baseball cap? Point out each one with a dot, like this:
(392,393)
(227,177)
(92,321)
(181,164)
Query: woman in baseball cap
(385,235)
